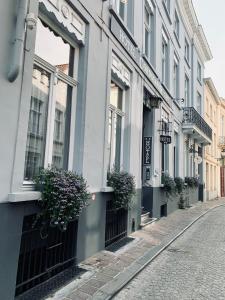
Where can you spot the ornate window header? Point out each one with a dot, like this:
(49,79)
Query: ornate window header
(67,17)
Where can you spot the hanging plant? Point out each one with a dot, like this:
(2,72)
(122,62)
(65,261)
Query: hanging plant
(123,185)
(64,195)
(192,182)
(179,184)
(169,185)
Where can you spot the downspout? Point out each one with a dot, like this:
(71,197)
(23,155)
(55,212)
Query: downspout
(18,46)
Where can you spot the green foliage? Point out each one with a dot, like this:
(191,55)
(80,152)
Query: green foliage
(191,182)
(169,184)
(179,184)
(64,195)
(124,188)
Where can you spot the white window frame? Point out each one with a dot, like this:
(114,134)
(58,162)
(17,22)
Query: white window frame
(165,59)
(199,101)
(176,72)
(186,50)
(126,15)
(199,72)
(55,75)
(186,91)
(176,25)
(167,5)
(116,111)
(150,28)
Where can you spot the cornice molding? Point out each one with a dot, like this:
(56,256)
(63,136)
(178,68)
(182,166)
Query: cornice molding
(194,29)
(209,83)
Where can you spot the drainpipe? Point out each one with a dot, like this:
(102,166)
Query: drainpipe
(18,46)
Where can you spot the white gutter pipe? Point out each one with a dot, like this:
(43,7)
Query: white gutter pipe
(18,46)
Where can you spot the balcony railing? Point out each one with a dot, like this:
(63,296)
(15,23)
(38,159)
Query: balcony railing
(191,116)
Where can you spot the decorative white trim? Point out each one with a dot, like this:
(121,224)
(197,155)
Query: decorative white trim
(107,189)
(119,69)
(194,29)
(66,16)
(24,196)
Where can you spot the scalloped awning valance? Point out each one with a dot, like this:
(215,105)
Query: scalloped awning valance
(63,14)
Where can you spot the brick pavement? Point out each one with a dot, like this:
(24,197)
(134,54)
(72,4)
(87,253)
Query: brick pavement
(108,271)
(192,268)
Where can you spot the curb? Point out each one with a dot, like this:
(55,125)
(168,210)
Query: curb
(112,288)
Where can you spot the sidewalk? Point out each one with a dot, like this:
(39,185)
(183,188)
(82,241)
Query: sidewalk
(107,272)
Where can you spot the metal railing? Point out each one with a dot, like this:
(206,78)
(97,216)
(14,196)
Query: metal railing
(191,116)
(42,258)
(116,224)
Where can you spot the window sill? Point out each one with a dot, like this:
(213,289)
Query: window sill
(24,196)
(107,189)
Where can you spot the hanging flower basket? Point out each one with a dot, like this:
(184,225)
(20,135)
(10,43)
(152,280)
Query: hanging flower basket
(64,195)
(123,185)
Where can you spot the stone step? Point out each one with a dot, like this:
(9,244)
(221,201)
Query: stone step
(147,220)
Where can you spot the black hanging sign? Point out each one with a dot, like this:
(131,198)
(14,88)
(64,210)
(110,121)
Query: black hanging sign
(165,139)
(147,150)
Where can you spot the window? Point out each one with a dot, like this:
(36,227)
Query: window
(175,155)
(116,115)
(149,32)
(199,103)
(186,50)
(186,91)
(167,5)
(165,60)
(125,10)
(176,77)
(50,106)
(199,72)
(177,25)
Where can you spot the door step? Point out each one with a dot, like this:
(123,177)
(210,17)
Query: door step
(146,219)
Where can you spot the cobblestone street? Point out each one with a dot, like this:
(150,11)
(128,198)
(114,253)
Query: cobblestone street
(191,268)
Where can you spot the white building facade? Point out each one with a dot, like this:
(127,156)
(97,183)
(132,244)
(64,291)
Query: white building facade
(91,86)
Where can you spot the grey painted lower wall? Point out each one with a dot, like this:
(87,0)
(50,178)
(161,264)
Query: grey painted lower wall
(11,216)
(155,199)
(91,227)
(91,234)
(134,215)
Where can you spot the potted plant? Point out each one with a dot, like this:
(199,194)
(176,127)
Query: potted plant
(180,185)
(64,195)
(123,185)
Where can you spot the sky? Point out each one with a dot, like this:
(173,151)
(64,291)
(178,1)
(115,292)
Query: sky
(211,15)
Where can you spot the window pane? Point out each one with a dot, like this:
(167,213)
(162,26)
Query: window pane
(116,95)
(110,137)
(146,42)
(62,125)
(122,10)
(36,137)
(52,48)
(118,124)
(147,17)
